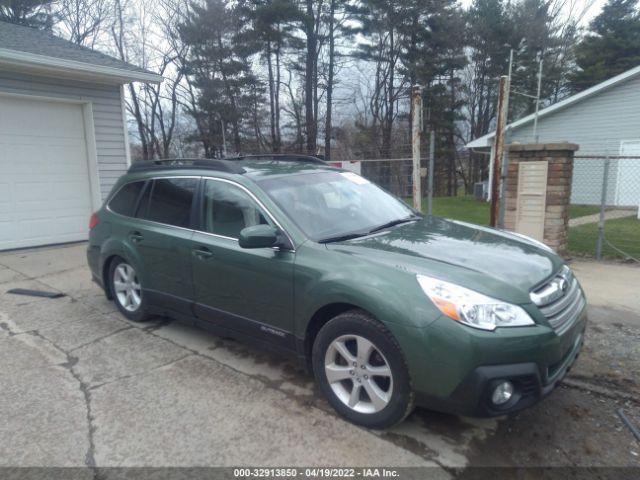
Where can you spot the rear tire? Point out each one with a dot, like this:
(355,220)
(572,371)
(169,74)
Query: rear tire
(126,290)
(361,370)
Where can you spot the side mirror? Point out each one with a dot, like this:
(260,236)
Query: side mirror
(258,236)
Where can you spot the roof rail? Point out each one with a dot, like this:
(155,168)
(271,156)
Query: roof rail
(281,157)
(187,163)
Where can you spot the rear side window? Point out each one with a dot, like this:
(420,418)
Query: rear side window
(124,202)
(169,201)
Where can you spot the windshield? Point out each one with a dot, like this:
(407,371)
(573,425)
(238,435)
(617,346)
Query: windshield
(331,205)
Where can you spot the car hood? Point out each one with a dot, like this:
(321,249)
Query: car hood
(494,262)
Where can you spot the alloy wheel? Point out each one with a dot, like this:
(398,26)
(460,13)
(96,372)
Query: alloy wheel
(127,287)
(358,374)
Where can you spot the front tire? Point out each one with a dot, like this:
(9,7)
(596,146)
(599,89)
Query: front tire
(126,290)
(361,371)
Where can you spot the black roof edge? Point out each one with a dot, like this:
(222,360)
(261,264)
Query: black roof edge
(226,165)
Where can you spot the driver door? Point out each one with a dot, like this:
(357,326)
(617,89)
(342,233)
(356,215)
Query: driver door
(249,291)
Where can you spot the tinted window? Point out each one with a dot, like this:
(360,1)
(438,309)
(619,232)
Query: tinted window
(228,209)
(124,202)
(169,201)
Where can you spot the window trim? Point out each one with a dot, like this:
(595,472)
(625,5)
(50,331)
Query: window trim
(253,197)
(196,206)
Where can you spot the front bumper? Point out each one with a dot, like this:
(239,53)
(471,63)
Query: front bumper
(455,369)
(472,397)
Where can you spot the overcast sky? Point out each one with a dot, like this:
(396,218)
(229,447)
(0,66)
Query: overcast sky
(575,5)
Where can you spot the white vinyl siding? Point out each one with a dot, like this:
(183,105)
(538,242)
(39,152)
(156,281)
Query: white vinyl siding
(598,125)
(107,116)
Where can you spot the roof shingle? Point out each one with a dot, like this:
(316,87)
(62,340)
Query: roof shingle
(39,42)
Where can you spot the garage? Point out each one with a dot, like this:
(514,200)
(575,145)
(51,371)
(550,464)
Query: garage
(45,187)
(63,134)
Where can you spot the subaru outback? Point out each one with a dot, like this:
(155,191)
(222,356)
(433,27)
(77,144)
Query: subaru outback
(387,307)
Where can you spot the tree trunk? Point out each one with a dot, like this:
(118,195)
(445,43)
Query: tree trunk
(310,69)
(388,123)
(272,99)
(327,127)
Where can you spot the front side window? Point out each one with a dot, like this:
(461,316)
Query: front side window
(168,201)
(124,202)
(227,209)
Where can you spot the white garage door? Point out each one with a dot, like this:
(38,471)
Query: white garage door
(45,193)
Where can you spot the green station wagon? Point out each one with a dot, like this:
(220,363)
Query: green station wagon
(389,308)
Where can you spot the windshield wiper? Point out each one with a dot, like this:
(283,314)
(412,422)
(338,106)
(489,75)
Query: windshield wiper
(349,236)
(341,238)
(393,223)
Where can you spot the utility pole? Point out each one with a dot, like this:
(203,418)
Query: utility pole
(503,178)
(535,118)
(498,149)
(416,111)
(505,151)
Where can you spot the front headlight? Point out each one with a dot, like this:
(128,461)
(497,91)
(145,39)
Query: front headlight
(472,308)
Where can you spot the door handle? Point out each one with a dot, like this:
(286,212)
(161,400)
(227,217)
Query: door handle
(202,253)
(136,237)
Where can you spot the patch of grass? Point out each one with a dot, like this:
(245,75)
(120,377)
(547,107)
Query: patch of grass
(468,209)
(463,207)
(624,233)
(576,211)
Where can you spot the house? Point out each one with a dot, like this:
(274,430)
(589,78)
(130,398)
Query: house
(63,136)
(603,120)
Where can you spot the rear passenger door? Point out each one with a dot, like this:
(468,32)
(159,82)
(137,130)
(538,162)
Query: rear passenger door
(246,290)
(162,236)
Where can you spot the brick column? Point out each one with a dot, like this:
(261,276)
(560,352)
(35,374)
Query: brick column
(559,158)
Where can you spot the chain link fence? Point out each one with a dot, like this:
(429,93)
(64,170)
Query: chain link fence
(605,198)
(392,174)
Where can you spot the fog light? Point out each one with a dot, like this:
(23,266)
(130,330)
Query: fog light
(502,393)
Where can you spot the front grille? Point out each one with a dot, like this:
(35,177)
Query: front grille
(560,300)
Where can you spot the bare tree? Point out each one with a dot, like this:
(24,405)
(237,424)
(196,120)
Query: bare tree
(146,35)
(83,21)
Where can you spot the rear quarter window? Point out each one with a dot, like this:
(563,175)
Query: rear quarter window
(124,202)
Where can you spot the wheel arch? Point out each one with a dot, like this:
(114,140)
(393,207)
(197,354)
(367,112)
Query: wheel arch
(106,266)
(321,317)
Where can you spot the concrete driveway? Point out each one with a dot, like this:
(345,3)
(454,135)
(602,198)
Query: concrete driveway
(80,386)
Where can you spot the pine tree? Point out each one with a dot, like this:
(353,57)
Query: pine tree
(31,13)
(274,23)
(219,62)
(611,47)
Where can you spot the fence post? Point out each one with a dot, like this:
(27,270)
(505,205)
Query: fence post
(503,177)
(603,202)
(432,156)
(416,110)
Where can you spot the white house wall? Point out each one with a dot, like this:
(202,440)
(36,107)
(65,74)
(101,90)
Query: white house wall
(598,125)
